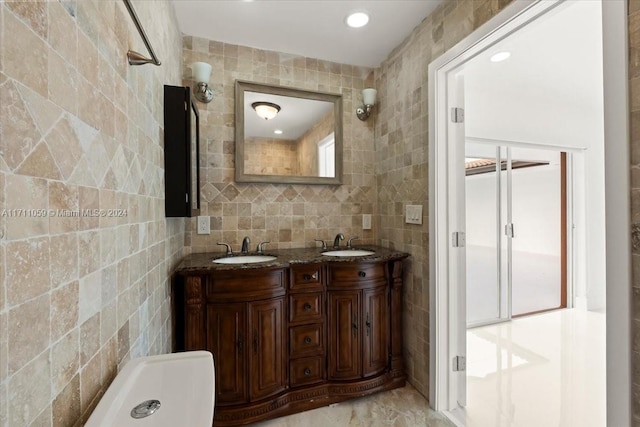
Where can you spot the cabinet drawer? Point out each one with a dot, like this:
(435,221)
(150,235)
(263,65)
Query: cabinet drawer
(356,273)
(305,307)
(306,371)
(249,284)
(305,277)
(306,340)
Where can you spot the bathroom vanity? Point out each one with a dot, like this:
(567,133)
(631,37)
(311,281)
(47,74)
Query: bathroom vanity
(300,331)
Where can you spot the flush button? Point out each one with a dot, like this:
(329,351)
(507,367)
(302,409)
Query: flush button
(146,408)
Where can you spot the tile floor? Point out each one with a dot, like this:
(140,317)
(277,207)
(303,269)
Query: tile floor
(403,407)
(537,371)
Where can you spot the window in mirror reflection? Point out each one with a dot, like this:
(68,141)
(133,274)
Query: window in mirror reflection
(326,157)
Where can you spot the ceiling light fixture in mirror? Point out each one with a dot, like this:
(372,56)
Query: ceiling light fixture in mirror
(287,135)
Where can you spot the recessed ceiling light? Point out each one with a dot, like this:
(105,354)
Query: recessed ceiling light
(278,132)
(357,19)
(500,56)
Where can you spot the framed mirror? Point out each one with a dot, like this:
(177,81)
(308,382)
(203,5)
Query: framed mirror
(286,135)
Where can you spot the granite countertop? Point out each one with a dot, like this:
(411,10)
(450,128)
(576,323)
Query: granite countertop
(203,262)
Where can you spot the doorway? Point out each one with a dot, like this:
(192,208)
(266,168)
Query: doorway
(448,298)
(516,234)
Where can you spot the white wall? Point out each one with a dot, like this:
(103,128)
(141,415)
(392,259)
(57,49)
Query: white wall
(543,99)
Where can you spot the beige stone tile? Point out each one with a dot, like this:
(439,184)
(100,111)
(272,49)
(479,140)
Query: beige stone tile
(66,405)
(40,163)
(64,146)
(27,270)
(28,398)
(25,340)
(4,346)
(64,259)
(30,69)
(109,360)
(90,385)
(89,296)
(64,309)
(65,361)
(44,112)
(63,82)
(108,246)
(108,322)
(34,14)
(64,208)
(88,252)
(89,338)
(20,133)
(63,35)
(4,403)
(88,200)
(44,419)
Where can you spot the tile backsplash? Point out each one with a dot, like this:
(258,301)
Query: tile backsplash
(287,215)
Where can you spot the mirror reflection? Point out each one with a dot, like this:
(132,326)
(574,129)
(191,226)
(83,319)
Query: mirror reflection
(287,135)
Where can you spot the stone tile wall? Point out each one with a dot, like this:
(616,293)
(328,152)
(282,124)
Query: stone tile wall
(634,120)
(401,140)
(80,129)
(286,215)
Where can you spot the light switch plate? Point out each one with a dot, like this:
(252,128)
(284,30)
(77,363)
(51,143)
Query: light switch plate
(413,214)
(204,225)
(366,221)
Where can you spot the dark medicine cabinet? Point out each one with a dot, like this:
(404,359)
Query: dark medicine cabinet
(181,153)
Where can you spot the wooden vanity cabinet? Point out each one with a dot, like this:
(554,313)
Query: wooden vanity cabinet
(240,317)
(358,320)
(286,340)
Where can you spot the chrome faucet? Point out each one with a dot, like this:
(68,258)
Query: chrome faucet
(336,241)
(324,244)
(229,251)
(245,245)
(260,248)
(349,244)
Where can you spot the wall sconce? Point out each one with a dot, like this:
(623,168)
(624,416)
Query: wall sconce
(369,99)
(201,74)
(266,110)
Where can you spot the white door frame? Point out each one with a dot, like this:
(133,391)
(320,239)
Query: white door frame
(617,194)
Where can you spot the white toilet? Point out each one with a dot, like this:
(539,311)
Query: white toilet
(168,390)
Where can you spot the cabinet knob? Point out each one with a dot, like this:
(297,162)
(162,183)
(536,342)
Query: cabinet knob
(306,307)
(362,274)
(308,277)
(307,372)
(307,340)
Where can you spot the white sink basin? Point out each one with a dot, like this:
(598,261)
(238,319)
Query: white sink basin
(244,259)
(182,383)
(349,252)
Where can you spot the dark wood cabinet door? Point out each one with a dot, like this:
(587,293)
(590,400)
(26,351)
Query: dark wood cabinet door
(344,335)
(268,353)
(227,340)
(375,311)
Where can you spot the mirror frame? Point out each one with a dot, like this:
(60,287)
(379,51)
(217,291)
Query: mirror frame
(335,99)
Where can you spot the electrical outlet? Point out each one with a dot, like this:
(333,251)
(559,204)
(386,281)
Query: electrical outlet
(204,225)
(366,222)
(413,214)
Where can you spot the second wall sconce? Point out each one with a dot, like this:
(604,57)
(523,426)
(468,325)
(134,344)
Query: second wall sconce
(201,74)
(369,100)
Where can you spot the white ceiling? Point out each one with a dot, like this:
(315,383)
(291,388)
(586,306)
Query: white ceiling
(297,115)
(550,90)
(310,28)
